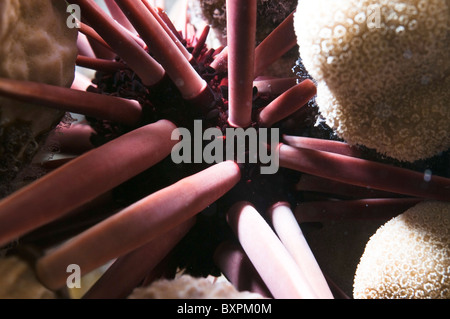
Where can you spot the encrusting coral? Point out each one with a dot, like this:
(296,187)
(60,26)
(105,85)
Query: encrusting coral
(382,69)
(408,257)
(18,281)
(188,287)
(36,45)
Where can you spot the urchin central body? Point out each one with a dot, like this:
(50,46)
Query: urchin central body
(205,140)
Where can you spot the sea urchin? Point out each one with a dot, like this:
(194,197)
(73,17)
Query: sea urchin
(126,200)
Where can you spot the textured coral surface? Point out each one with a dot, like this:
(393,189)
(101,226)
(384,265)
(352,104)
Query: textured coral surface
(382,69)
(409,256)
(188,287)
(18,281)
(36,45)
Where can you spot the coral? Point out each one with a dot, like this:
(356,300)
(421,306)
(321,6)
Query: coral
(408,257)
(188,287)
(382,71)
(17,280)
(36,45)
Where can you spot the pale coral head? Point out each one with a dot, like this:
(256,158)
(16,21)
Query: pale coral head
(382,71)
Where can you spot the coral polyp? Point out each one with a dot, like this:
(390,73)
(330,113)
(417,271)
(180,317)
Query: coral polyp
(382,71)
(408,257)
(45,55)
(121,200)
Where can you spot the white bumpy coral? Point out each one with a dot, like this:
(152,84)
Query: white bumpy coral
(18,281)
(408,257)
(188,287)
(35,45)
(383,71)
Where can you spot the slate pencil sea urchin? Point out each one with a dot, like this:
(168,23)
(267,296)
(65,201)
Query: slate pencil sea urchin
(156,82)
